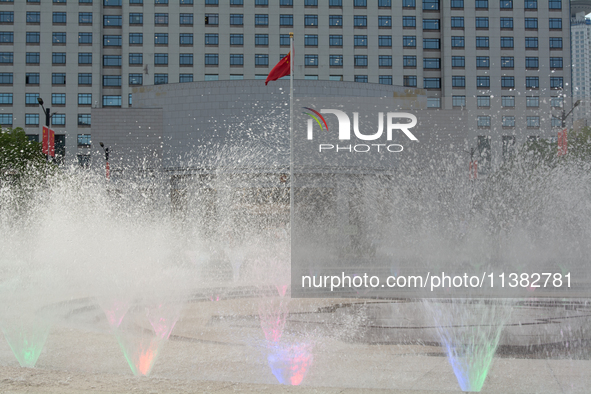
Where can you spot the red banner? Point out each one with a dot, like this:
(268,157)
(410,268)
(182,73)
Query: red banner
(562,143)
(45,134)
(48,140)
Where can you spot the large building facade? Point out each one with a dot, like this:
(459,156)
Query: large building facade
(506,61)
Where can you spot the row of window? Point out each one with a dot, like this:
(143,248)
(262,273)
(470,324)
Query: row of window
(484,121)
(56,119)
(114,3)
(457,22)
(481,42)
(483,62)
(459,81)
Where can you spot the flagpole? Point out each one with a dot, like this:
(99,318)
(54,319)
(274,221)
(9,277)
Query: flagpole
(291,178)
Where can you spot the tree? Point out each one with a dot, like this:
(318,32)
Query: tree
(20,157)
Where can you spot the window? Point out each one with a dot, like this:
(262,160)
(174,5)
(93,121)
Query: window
(360,60)
(112,80)
(409,21)
(161,19)
(85,98)
(385,80)
(6,119)
(481,4)
(85,58)
(261,60)
(508,142)
(186,59)
(385,22)
(432,63)
(555,42)
(84,79)
(458,101)
(484,151)
(111,101)
(482,23)
(6,37)
(112,20)
(483,101)
(261,20)
(211,2)
(311,60)
(32,58)
(458,61)
(409,41)
(531,42)
(187,38)
(263,40)
(335,60)
(186,2)
(112,60)
(160,79)
(5,98)
(59,17)
(136,79)
(31,98)
(161,39)
(531,23)
(433,102)
(85,18)
(458,81)
(58,99)
(407,61)
(506,4)
(136,38)
(238,39)
(284,41)
(430,24)
(457,22)
(136,58)
(532,101)
(481,42)
(58,38)
(310,40)
(508,121)
(286,3)
(58,78)
(84,38)
(457,42)
(431,43)
(507,42)
(532,82)
(483,82)
(112,41)
(482,62)
(360,21)
(385,3)
(84,139)
(6,57)
(409,3)
(186,19)
(483,121)
(335,40)
(507,62)
(385,61)
(115,3)
(32,119)
(162,2)
(210,39)
(507,23)
(532,62)
(311,3)
(335,3)
(8,17)
(508,101)
(555,23)
(360,3)
(212,19)
(555,4)
(508,82)
(185,78)
(430,5)
(136,18)
(160,59)
(360,41)
(556,122)
(236,19)
(136,1)
(533,121)
(556,82)
(30,78)
(555,62)
(236,59)
(33,37)
(287,20)
(432,83)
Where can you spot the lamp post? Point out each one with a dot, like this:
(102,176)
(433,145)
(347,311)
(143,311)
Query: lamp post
(47,113)
(564,116)
(106,159)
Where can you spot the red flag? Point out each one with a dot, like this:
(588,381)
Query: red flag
(281,69)
(45,139)
(562,143)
